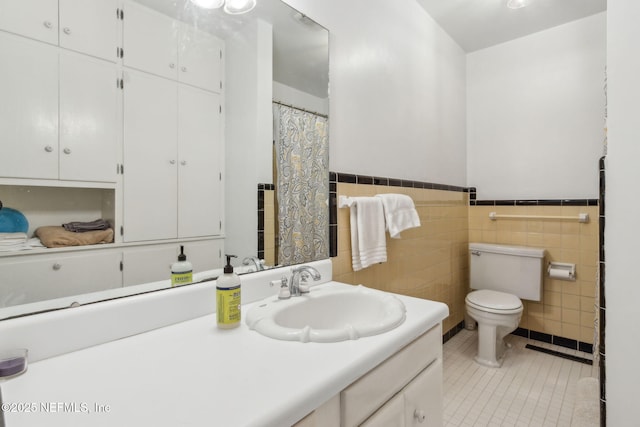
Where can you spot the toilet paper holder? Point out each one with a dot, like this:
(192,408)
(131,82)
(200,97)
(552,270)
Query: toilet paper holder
(562,271)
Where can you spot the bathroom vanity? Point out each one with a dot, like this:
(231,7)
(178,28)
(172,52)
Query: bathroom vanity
(146,360)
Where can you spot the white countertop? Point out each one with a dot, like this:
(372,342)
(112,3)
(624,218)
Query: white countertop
(193,374)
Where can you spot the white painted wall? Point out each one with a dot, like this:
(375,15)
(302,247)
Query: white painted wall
(397,91)
(535,110)
(622,206)
(248,134)
(297,98)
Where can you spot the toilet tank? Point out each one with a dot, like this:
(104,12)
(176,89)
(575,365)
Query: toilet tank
(515,270)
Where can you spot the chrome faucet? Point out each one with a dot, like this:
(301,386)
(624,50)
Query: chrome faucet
(303,273)
(252,259)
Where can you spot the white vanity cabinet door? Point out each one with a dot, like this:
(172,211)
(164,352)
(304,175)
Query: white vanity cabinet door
(150,41)
(36,19)
(29,110)
(147,264)
(89,26)
(392,414)
(150,157)
(152,263)
(199,59)
(199,163)
(423,398)
(88,118)
(203,254)
(31,279)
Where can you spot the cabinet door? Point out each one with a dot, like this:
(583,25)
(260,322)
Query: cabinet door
(88,118)
(391,414)
(26,279)
(150,157)
(89,26)
(29,108)
(204,255)
(148,264)
(200,157)
(423,398)
(37,19)
(200,59)
(150,41)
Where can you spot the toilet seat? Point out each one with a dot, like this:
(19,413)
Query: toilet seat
(494,302)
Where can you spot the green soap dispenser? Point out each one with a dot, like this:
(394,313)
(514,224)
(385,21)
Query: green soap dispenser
(181,270)
(228,297)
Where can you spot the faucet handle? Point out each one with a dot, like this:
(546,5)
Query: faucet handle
(284,292)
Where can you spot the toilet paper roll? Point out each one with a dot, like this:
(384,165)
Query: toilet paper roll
(561,273)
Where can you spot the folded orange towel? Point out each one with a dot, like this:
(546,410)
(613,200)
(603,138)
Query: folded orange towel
(58,237)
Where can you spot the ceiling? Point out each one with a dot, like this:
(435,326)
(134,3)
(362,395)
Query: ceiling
(477,24)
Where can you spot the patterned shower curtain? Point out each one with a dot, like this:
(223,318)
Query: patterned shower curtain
(302,187)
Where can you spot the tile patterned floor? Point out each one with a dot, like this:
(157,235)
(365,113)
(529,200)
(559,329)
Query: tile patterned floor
(530,389)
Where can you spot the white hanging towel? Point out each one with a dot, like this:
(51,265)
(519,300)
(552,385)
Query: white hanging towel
(368,244)
(399,212)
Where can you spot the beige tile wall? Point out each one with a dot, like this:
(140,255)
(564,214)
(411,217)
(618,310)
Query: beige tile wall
(428,262)
(567,308)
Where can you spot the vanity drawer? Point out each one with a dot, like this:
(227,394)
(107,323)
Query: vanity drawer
(365,396)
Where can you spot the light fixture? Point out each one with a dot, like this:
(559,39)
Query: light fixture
(232,7)
(208,4)
(236,7)
(517,4)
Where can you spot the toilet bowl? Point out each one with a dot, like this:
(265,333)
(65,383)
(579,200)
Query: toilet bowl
(497,314)
(499,276)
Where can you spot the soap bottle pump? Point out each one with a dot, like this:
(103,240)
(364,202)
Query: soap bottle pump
(181,270)
(228,297)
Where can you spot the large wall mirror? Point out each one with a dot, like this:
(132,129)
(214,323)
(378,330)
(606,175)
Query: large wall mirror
(109,118)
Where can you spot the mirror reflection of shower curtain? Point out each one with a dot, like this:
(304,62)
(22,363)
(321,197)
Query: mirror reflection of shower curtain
(302,187)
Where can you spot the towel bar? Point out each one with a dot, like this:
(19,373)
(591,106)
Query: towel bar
(345,202)
(582,217)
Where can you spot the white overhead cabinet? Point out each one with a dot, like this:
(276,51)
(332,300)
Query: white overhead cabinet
(88,120)
(37,19)
(87,26)
(117,99)
(61,122)
(172,157)
(29,110)
(173,140)
(199,162)
(157,44)
(90,27)
(150,157)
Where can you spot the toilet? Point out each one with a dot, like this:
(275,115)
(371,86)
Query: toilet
(500,276)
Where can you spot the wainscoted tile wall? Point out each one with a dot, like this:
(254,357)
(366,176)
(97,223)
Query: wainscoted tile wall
(568,308)
(428,262)
(266,223)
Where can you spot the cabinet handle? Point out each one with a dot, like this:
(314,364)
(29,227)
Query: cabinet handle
(184,69)
(419,415)
(173,162)
(57,266)
(66,30)
(172,65)
(47,24)
(48,149)
(67,151)
(183,163)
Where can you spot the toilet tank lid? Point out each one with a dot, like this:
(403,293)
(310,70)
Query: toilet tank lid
(507,250)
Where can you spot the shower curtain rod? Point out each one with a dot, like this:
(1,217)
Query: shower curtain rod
(301,109)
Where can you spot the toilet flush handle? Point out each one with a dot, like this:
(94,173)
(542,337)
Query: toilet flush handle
(476,253)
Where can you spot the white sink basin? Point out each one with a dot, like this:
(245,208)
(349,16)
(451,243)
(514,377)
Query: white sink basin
(327,314)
